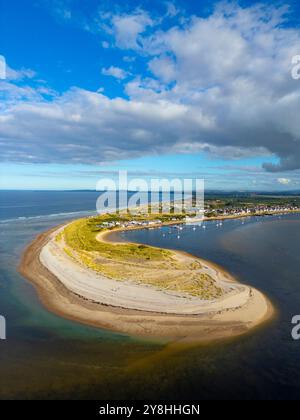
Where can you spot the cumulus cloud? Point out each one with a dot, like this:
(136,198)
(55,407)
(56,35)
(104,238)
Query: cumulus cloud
(128,27)
(88,127)
(164,68)
(220,84)
(116,72)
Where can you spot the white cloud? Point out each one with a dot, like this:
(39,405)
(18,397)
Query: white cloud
(22,74)
(164,68)
(88,127)
(116,72)
(235,66)
(128,27)
(172,10)
(232,95)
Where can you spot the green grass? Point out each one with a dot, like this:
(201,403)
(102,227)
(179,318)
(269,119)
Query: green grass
(81,237)
(139,263)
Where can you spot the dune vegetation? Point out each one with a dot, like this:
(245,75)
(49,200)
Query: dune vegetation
(163,269)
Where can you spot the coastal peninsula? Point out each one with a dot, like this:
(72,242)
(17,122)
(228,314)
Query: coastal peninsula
(136,289)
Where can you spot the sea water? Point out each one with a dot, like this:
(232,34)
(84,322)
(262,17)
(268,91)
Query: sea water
(78,361)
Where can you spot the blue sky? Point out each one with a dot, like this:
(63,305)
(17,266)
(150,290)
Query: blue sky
(181,88)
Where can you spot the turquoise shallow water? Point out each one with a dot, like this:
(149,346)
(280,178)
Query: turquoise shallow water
(46,356)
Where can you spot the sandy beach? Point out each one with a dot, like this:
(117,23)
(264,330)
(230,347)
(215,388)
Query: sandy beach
(77,293)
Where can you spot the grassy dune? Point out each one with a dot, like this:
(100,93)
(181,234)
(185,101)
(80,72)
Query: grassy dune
(157,267)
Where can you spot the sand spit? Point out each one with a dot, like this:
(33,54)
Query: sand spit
(78,293)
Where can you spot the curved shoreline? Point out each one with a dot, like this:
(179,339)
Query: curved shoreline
(201,326)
